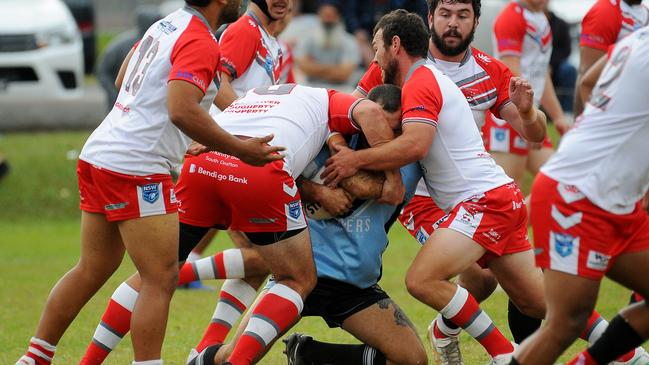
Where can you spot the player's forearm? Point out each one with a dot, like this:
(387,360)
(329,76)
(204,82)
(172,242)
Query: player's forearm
(534,125)
(311,68)
(226,94)
(365,185)
(392,155)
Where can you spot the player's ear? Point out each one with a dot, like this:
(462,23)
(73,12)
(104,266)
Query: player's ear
(395,43)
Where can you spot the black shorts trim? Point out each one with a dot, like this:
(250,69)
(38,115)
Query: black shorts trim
(268,238)
(335,301)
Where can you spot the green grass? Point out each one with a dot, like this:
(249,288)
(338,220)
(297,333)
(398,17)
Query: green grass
(40,242)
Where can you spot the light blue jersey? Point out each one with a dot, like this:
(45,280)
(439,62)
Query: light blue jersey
(349,249)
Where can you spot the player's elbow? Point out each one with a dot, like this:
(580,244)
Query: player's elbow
(417,152)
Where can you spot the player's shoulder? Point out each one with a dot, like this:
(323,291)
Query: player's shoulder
(491,65)
(245,26)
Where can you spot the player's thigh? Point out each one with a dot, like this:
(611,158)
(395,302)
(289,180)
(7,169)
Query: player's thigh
(513,164)
(152,243)
(385,327)
(522,281)
(445,254)
(102,249)
(632,271)
(537,158)
(570,300)
(290,259)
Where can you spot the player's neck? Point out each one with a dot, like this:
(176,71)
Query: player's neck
(438,55)
(405,66)
(211,14)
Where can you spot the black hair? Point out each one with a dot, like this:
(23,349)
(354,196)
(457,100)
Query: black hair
(409,27)
(387,95)
(200,3)
(432,5)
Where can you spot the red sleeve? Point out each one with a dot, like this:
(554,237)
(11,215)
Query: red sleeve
(601,26)
(421,98)
(341,106)
(509,31)
(503,76)
(370,79)
(195,56)
(238,45)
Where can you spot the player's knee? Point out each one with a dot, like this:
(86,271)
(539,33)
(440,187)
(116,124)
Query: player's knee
(566,329)
(531,307)
(417,287)
(302,282)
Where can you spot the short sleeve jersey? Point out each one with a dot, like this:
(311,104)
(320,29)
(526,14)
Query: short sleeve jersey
(605,155)
(522,33)
(300,117)
(250,55)
(609,21)
(137,137)
(457,165)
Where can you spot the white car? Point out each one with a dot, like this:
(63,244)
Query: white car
(41,51)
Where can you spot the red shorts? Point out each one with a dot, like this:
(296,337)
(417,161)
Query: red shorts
(499,136)
(120,197)
(421,217)
(575,236)
(218,190)
(496,220)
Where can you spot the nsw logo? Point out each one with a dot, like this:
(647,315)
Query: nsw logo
(294,209)
(500,134)
(150,192)
(564,244)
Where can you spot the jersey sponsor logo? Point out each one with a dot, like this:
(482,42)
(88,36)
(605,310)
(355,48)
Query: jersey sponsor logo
(186,75)
(166,27)
(252,23)
(150,192)
(492,235)
(597,260)
(563,244)
(356,224)
(295,209)
(122,107)
(570,193)
(484,57)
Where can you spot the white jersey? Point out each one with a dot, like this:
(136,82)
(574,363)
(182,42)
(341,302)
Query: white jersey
(300,117)
(525,34)
(137,137)
(457,165)
(606,155)
(483,80)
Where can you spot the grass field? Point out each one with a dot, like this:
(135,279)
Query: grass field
(39,241)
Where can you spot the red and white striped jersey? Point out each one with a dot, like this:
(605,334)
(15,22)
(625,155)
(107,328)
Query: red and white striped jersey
(137,137)
(300,117)
(525,34)
(609,21)
(250,55)
(457,165)
(605,154)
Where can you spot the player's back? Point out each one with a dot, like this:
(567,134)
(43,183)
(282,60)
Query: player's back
(606,154)
(457,165)
(296,115)
(137,137)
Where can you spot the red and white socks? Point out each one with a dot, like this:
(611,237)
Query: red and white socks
(227,264)
(235,297)
(39,353)
(114,324)
(279,308)
(464,311)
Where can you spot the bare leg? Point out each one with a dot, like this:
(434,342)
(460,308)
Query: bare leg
(101,254)
(152,243)
(570,301)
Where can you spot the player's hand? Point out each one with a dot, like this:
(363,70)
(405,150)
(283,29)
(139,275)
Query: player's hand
(393,190)
(196,149)
(562,125)
(335,201)
(340,166)
(521,94)
(256,151)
